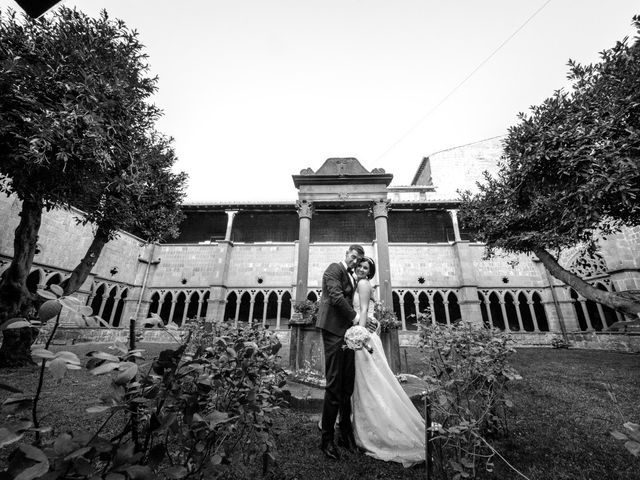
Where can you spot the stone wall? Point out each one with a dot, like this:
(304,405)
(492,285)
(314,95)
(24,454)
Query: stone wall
(273,262)
(63,243)
(200,265)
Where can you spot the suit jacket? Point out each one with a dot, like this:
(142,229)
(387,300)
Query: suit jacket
(336,312)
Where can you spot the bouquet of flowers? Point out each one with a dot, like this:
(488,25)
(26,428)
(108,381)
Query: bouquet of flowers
(357,338)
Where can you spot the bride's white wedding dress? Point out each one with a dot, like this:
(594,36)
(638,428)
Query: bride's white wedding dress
(385,422)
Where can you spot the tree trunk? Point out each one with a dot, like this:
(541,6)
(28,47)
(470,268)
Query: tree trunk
(614,300)
(82,271)
(15,299)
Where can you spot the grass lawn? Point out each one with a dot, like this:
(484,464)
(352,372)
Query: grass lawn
(559,428)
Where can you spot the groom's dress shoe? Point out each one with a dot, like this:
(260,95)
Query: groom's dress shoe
(330,451)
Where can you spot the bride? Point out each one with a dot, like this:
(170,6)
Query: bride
(385,422)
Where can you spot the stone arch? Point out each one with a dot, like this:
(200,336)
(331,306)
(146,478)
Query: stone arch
(165,307)
(117,319)
(424,303)
(484,311)
(538,309)
(609,314)
(454,308)
(230,307)
(285,309)
(587,265)
(580,313)
(525,312)
(154,306)
(409,303)
(192,305)
(258,307)
(245,306)
(272,308)
(179,308)
(395,300)
(497,318)
(512,314)
(438,310)
(97,298)
(205,304)
(109,304)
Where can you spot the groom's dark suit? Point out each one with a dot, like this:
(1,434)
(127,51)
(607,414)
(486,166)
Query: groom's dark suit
(335,316)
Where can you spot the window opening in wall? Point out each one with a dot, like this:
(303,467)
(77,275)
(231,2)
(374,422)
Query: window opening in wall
(454,308)
(285,313)
(205,304)
(120,308)
(541,316)
(230,307)
(165,309)
(496,312)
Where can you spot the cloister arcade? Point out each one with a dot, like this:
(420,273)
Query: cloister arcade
(515,310)
(176,306)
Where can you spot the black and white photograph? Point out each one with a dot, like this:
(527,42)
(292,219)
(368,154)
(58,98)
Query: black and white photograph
(311,240)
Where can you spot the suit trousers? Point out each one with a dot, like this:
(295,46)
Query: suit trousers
(340,372)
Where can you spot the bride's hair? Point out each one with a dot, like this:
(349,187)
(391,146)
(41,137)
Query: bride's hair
(372,266)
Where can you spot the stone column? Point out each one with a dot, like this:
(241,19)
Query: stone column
(252,302)
(230,215)
(112,317)
(380,213)
(305,212)
(173,309)
(264,310)
(279,313)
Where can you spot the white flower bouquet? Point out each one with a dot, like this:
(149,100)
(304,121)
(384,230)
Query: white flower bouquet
(357,338)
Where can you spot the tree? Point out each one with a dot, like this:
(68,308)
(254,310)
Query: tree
(570,172)
(74,100)
(144,199)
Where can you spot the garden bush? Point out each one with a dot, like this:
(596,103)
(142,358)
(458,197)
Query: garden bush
(202,410)
(467,378)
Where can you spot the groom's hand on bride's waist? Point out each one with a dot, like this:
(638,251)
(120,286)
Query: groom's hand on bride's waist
(371,325)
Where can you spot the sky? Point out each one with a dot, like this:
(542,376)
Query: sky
(253,91)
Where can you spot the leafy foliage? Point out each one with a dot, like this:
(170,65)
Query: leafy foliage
(571,167)
(385,316)
(73,93)
(307,308)
(77,128)
(570,173)
(467,378)
(201,410)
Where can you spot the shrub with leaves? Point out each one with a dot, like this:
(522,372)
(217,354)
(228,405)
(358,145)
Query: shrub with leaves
(386,317)
(308,309)
(467,378)
(202,410)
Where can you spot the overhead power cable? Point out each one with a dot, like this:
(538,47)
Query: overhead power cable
(446,97)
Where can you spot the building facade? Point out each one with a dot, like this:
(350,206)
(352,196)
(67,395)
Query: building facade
(248,262)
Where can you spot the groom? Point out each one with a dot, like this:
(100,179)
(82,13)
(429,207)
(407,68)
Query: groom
(335,316)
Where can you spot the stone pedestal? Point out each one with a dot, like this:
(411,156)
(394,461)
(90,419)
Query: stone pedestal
(305,347)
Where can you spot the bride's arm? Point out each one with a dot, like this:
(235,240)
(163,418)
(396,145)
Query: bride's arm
(364,292)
